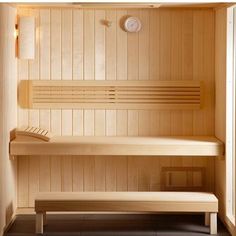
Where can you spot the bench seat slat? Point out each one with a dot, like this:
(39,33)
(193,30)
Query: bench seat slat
(128,196)
(124,206)
(127,201)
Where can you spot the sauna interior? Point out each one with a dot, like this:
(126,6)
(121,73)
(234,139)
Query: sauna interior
(126,111)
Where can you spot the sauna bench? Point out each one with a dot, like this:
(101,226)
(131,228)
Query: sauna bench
(148,202)
(118,146)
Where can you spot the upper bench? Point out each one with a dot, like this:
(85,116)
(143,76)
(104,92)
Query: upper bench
(138,146)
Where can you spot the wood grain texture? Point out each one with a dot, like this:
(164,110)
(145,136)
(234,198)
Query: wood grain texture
(220,108)
(145,95)
(172,45)
(120,146)
(127,201)
(26,36)
(8,118)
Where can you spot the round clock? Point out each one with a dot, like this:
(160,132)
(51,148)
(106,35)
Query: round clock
(132,24)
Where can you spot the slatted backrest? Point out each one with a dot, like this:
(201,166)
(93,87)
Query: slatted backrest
(34,132)
(111,94)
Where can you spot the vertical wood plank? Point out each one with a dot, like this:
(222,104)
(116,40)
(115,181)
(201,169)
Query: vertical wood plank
(56,64)
(132,174)
(99,45)
(165,44)
(122,173)
(88,122)
(67,173)
(113,35)
(111,123)
(100,173)
(55,174)
(122,71)
(198,54)
(154,63)
(143,174)
(176,74)
(23,119)
(78,65)
(44,50)
(100,115)
(144,116)
(133,74)
(100,123)
(187,74)
(34,115)
(133,51)
(78,174)
(44,174)
(89,74)
(111,45)
(67,74)
(121,123)
(34,69)
(23,73)
(144,45)
(165,64)
(144,123)
(121,116)
(100,68)
(110,174)
(78,44)
(176,65)
(67,71)
(208,68)
(89,176)
(198,72)
(187,63)
(33,179)
(133,121)
(23,182)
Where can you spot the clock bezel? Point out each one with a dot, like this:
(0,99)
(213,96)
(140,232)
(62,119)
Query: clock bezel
(127,29)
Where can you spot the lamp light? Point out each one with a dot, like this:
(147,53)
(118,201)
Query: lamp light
(26,37)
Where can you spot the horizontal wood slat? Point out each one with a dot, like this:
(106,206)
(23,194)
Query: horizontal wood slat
(111,94)
(120,146)
(126,202)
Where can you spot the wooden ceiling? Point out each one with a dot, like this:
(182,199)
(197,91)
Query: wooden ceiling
(103,5)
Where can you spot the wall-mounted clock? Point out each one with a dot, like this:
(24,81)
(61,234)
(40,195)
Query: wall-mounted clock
(132,24)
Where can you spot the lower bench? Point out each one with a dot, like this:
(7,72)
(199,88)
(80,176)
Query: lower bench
(149,202)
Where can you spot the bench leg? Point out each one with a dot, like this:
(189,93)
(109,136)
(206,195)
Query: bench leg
(213,223)
(207,219)
(39,223)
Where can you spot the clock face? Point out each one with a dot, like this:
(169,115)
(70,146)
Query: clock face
(132,24)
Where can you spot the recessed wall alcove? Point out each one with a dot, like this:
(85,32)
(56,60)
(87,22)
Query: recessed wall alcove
(158,94)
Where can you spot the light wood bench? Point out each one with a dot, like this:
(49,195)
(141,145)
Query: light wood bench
(116,146)
(127,202)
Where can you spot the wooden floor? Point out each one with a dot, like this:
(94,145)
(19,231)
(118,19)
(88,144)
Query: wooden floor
(119,225)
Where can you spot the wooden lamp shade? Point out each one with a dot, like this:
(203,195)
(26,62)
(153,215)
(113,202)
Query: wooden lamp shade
(26,41)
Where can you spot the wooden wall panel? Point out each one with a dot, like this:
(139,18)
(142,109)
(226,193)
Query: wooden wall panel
(8,118)
(220,108)
(33,186)
(74,44)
